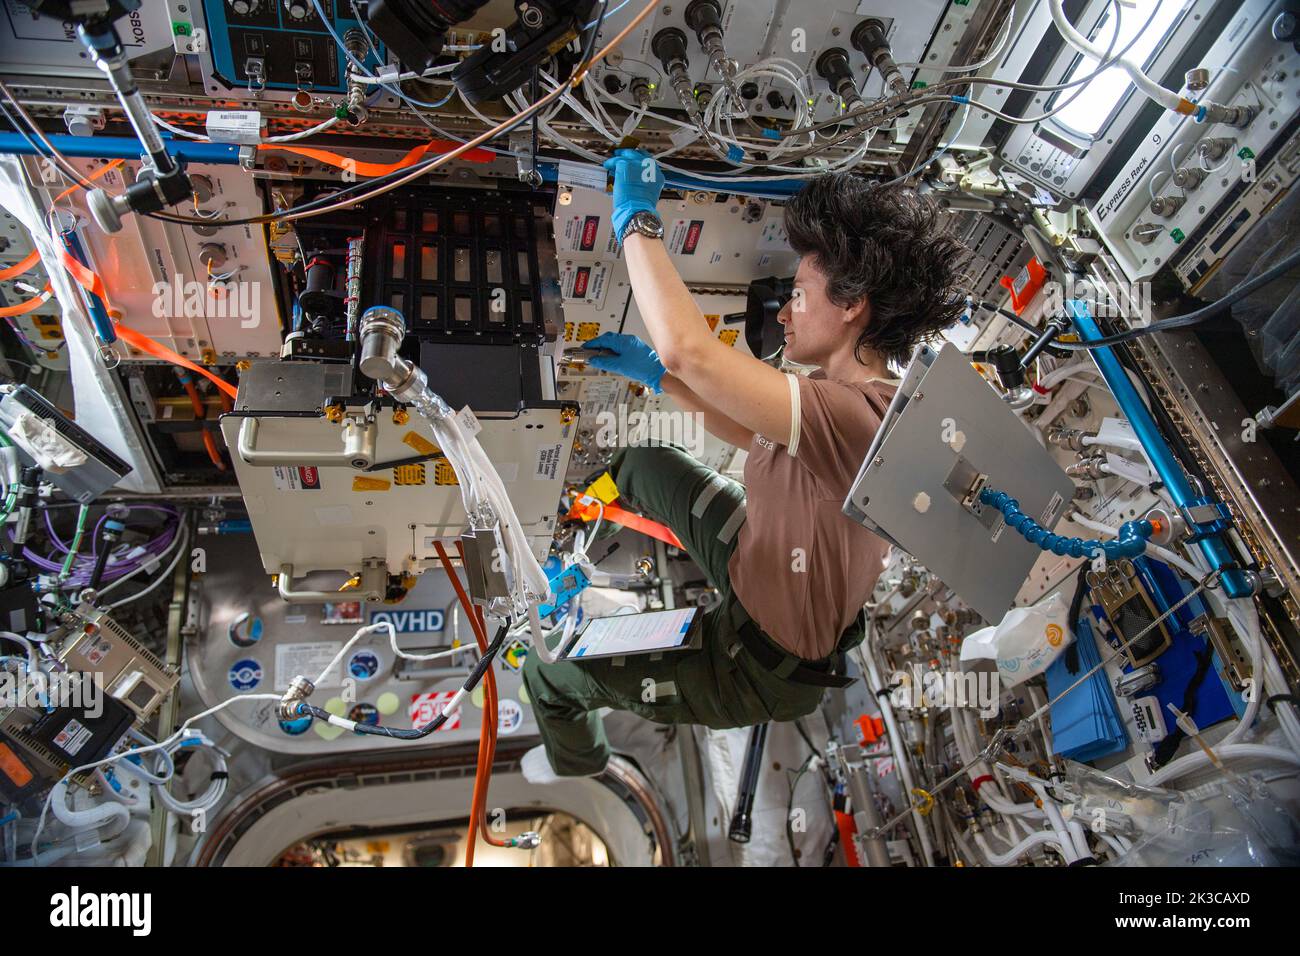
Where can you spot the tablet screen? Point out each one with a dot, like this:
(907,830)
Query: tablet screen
(633,634)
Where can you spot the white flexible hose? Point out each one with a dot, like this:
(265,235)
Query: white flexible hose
(1019,850)
(92,818)
(1166,98)
(1164,554)
(1199,759)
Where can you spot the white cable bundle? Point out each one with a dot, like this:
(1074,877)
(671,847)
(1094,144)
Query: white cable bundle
(480,484)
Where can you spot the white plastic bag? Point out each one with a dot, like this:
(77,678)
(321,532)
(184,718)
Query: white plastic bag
(1025,643)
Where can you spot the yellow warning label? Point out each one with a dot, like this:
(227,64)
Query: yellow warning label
(408,475)
(728,336)
(421,444)
(713,321)
(568,331)
(362,483)
(604,488)
(443,473)
(588,330)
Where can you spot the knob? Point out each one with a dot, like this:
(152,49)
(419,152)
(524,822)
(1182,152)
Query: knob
(202,186)
(1197,79)
(1188,177)
(1286,27)
(1166,206)
(1146,232)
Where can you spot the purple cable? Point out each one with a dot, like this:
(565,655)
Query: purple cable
(83,565)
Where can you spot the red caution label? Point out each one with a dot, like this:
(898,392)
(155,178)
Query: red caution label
(692,237)
(590,227)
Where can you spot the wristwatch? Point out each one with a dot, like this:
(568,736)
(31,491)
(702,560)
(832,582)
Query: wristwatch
(645,223)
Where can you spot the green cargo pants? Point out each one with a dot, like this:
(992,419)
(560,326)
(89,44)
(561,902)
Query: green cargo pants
(711,685)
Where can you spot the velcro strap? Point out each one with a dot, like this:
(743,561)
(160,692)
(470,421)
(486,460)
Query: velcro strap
(707,494)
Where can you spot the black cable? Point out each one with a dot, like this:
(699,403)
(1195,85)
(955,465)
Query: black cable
(1196,317)
(324,199)
(378,180)
(21,130)
(1164,751)
(590,47)
(789,810)
(803,732)
(1182,451)
(397,733)
(1076,608)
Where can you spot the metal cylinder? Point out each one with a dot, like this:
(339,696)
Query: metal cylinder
(352,287)
(1197,79)
(867,816)
(869,39)
(1188,177)
(382,331)
(1166,206)
(742,819)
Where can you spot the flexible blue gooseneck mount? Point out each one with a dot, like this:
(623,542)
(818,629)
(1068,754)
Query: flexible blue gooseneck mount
(1132,539)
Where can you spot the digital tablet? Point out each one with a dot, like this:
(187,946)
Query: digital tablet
(650,632)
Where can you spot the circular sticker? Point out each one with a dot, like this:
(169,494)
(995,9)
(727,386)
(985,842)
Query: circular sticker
(295,727)
(245,630)
(387,703)
(245,674)
(364,713)
(510,716)
(363,665)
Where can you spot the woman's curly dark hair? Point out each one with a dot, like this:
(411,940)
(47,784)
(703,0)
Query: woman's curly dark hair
(886,244)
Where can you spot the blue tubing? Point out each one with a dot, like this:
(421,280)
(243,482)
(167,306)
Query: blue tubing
(1132,540)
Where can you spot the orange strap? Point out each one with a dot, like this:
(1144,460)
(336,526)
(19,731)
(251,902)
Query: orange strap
(33,257)
(627,519)
(27,305)
(139,340)
(86,277)
(644,525)
(91,282)
(19,268)
(382,169)
(90,179)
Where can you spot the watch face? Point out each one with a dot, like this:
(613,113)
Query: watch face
(649,224)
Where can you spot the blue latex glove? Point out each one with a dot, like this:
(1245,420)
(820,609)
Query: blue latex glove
(635,359)
(638,181)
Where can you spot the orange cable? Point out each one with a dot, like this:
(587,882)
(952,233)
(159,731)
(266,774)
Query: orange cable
(18,268)
(480,637)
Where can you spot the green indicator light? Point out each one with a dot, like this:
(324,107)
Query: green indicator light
(1177,234)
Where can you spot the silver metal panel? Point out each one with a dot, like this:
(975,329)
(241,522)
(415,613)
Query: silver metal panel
(1254,70)
(336,521)
(985,568)
(234,585)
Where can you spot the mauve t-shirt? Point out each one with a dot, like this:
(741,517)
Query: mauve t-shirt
(801,568)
